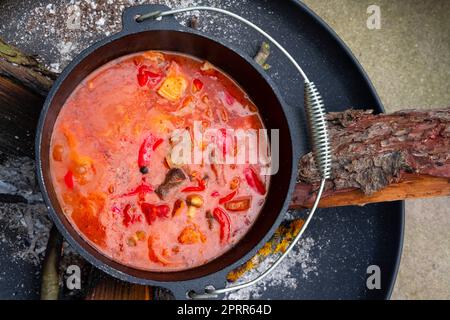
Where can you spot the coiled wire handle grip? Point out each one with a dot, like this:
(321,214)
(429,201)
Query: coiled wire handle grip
(315,112)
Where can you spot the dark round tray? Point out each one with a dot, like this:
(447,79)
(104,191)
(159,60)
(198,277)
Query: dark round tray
(346,240)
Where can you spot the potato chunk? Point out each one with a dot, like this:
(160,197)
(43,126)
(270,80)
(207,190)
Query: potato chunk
(173,88)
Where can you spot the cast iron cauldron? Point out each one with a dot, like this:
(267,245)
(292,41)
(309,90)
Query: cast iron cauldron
(168,35)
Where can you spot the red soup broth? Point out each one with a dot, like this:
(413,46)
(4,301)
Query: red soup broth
(114,176)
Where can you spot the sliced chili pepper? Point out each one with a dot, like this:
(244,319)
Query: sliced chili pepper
(128,217)
(153,79)
(142,76)
(225,224)
(141,189)
(242,204)
(151,211)
(68,179)
(147,147)
(157,144)
(147,77)
(254,181)
(201,186)
(227,197)
(215,194)
(198,84)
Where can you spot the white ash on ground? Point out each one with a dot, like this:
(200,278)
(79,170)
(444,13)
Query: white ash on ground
(17,177)
(25,228)
(66,28)
(284,276)
(24,223)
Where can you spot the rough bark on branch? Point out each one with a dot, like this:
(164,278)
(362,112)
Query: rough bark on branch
(372,152)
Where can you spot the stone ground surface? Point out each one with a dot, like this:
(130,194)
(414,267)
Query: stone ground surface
(408,60)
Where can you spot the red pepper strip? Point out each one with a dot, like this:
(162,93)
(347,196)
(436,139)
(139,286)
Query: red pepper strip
(201,187)
(129,218)
(253,181)
(215,194)
(141,189)
(142,76)
(68,179)
(153,79)
(126,215)
(152,211)
(147,147)
(227,197)
(146,77)
(225,224)
(198,84)
(157,143)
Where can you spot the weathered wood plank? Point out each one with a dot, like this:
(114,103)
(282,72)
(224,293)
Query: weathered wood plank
(24,84)
(111,289)
(19,111)
(25,70)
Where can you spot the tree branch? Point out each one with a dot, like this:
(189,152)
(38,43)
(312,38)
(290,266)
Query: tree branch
(382,157)
(24,70)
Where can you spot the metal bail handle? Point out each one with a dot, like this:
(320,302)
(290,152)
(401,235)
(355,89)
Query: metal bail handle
(315,112)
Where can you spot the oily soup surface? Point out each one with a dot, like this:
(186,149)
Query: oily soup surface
(112,168)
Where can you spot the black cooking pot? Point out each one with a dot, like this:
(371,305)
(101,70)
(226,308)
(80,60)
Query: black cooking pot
(168,35)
